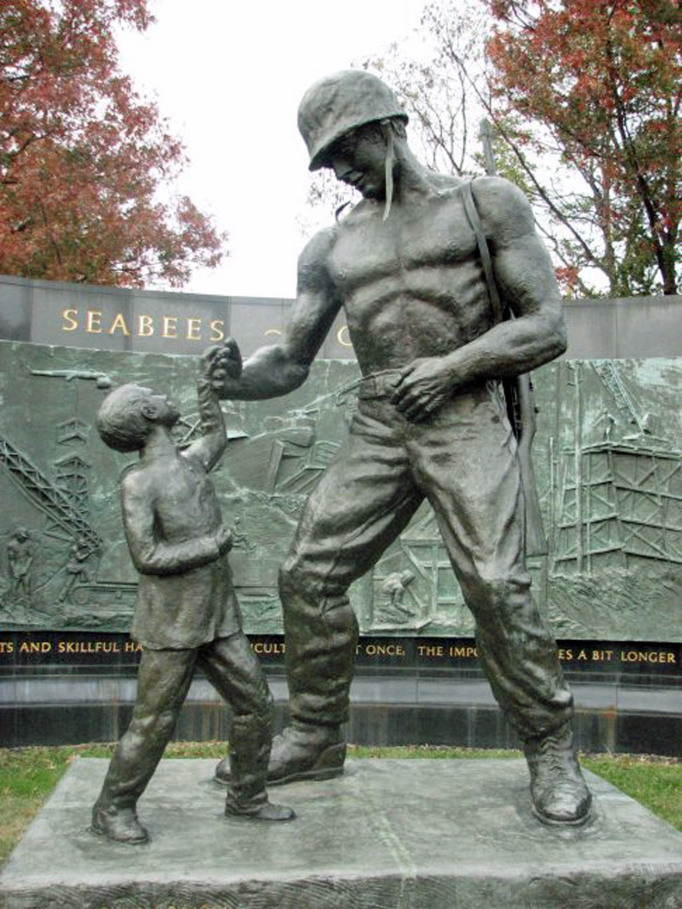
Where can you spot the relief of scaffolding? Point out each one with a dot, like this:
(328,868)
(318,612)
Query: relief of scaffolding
(608,457)
(619,504)
(612,474)
(618,499)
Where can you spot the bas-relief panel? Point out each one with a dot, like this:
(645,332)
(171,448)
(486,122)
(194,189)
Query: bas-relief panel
(607,457)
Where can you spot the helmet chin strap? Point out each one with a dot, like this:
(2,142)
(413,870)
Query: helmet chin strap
(387,132)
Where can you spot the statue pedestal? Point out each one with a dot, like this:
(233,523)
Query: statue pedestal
(422,834)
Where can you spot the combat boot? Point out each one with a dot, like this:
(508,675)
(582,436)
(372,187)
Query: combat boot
(558,790)
(302,752)
(306,752)
(249,754)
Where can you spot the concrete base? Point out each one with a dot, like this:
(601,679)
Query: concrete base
(422,834)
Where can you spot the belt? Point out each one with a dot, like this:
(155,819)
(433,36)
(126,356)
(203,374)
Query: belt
(379,384)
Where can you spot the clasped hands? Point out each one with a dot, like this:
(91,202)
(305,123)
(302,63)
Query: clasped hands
(221,363)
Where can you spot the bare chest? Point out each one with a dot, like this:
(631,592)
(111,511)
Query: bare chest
(415,239)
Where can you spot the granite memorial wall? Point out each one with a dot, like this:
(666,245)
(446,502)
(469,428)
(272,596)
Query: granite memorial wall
(608,457)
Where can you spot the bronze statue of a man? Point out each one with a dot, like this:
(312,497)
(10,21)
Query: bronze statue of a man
(404,266)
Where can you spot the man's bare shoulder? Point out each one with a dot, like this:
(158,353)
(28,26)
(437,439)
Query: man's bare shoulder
(313,261)
(318,247)
(503,208)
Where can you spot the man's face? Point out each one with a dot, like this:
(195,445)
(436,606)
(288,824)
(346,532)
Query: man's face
(359,159)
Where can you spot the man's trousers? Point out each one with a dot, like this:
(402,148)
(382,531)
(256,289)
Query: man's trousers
(463,460)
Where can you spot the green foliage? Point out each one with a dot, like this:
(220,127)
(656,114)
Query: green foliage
(657,784)
(585,97)
(83,159)
(415,752)
(597,84)
(27,776)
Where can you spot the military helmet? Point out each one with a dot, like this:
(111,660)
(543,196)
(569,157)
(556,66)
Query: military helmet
(339,103)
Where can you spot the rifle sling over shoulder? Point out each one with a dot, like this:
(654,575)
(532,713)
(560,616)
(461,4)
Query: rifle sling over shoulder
(518,392)
(483,251)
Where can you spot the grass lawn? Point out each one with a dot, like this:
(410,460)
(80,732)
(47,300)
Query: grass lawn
(28,775)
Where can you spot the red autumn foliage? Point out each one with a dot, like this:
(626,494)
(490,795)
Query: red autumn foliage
(604,77)
(83,159)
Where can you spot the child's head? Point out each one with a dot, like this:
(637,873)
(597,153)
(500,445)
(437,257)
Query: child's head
(128,415)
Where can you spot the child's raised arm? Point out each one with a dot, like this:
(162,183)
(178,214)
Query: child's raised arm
(216,361)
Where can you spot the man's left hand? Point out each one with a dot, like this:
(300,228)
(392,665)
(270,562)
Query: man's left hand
(425,385)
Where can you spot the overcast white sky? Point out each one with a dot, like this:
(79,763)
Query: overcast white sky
(229,76)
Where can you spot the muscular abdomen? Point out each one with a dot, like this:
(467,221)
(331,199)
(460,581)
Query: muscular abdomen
(412,286)
(427,312)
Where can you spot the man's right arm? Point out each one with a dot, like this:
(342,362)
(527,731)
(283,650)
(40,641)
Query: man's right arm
(278,369)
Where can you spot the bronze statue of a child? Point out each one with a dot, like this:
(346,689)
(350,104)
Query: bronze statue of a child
(186,613)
